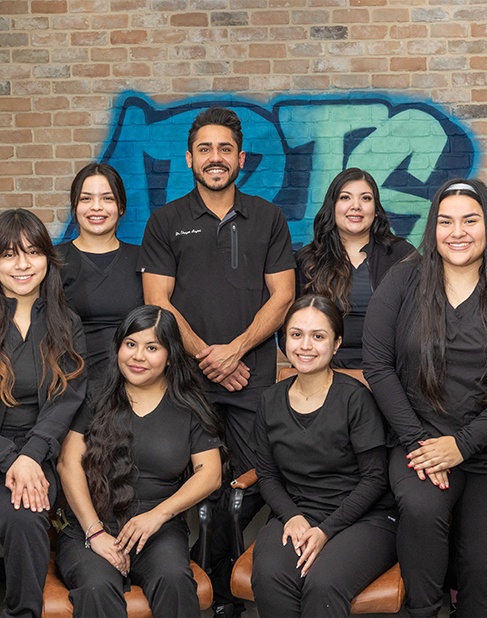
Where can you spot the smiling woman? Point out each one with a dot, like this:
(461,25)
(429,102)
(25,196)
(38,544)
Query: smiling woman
(126,475)
(22,270)
(352,249)
(321,464)
(42,385)
(425,359)
(460,232)
(98,266)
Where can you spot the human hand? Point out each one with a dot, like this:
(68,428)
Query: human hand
(311,542)
(105,546)
(435,455)
(237,380)
(28,484)
(137,530)
(294,529)
(439,479)
(218,361)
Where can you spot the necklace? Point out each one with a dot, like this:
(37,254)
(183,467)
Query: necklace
(322,388)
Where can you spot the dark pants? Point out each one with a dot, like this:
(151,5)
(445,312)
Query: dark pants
(346,565)
(25,541)
(427,517)
(161,569)
(238,422)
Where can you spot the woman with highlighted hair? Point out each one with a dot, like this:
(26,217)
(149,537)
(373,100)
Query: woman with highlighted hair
(42,385)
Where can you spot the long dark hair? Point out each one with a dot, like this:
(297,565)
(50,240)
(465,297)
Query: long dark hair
(98,169)
(432,294)
(327,307)
(18,226)
(108,461)
(325,262)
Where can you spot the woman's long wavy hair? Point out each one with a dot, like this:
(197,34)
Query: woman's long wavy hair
(20,228)
(108,461)
(325,262)
(432,294)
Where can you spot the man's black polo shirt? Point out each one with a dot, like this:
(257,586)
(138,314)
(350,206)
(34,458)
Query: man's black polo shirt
(219,267)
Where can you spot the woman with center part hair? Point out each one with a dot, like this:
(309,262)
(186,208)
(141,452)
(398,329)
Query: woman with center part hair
(321,464)
(352,249)
(125,475)
(42,385)
(99,275)
(425,358)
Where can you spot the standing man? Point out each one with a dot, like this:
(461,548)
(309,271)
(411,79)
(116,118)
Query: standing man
(221,261)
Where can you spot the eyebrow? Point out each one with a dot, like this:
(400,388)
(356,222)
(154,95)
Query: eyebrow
(133,338)
(218,143)
(472,214)
(361,193)
(316,330)
(103,193)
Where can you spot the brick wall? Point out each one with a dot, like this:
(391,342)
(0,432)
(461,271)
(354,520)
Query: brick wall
(63,62)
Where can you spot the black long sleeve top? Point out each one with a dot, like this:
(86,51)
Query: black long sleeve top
(44,438)
(392,357)
(332,472)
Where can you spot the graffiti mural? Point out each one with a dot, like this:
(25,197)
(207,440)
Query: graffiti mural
(295,146)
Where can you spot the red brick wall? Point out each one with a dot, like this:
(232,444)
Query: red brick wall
(64,61)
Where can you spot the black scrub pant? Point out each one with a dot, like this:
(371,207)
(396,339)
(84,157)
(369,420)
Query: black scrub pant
(238,423)
(346,565)
(427,518)
(25,540)
(161,569)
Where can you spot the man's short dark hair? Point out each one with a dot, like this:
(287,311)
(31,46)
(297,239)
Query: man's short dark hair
(220,116)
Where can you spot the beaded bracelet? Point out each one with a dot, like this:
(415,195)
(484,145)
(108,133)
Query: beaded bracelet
(92,536)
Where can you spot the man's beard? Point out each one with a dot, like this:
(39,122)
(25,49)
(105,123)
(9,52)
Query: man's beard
(220,187)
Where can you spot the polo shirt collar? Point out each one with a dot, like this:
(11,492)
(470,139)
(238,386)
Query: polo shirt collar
(198,207)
